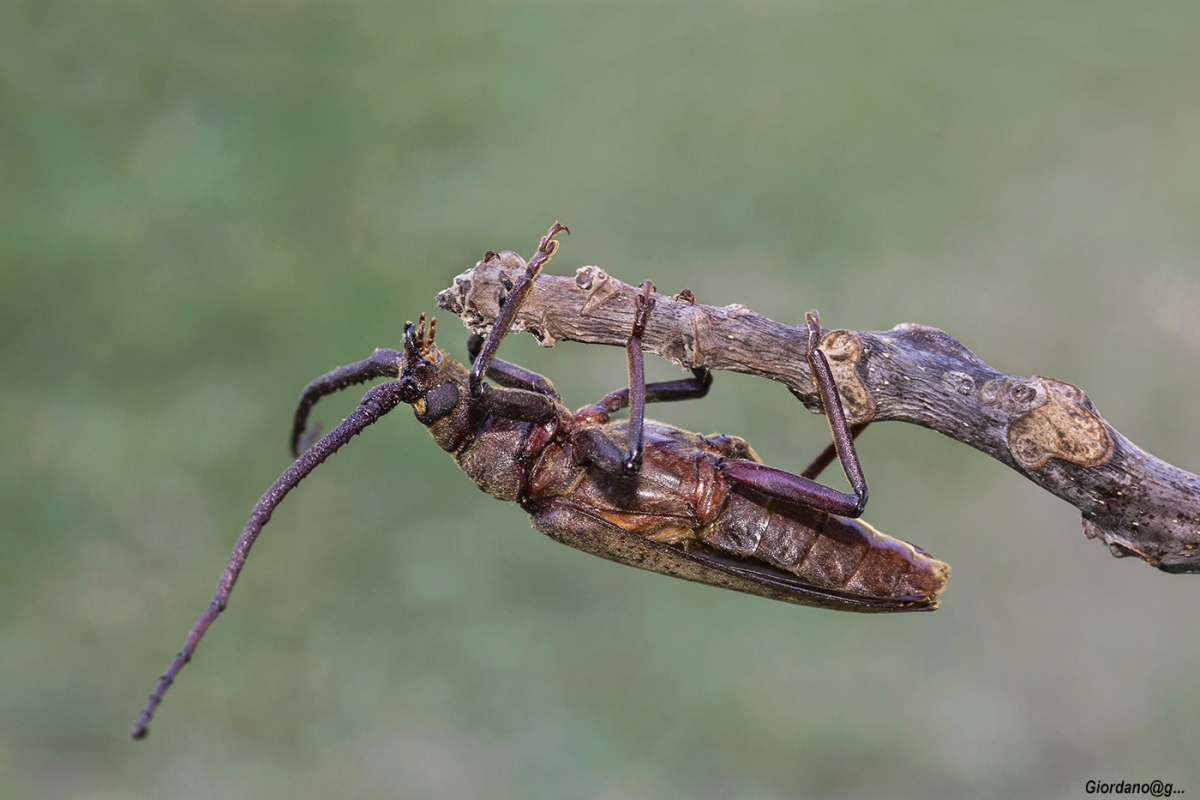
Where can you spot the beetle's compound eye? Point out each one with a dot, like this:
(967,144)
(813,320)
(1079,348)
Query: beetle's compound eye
(436,403)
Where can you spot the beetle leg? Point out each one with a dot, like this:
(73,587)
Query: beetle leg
(608,455)
(509,374)
(843,439)
(594,446)
(519,404)
(791,488)
(377,402)
(662,392)
(381,364)
(829,454)
(508,312)
(635,395)
(524,395)
(802,489)
(638,392)
(642,304)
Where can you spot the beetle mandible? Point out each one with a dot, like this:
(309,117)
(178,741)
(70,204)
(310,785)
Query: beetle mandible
(703,508)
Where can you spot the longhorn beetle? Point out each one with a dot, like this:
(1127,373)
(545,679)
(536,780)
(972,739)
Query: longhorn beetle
(704,508)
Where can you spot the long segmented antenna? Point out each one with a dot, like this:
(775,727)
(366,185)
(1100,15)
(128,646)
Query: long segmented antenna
(382,364)
(377,402)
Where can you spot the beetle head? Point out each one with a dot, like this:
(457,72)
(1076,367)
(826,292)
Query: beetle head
(433,383)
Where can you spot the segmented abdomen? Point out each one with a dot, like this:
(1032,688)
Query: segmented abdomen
(823,549)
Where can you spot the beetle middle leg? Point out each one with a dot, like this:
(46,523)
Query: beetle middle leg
(595,445)
(800,489)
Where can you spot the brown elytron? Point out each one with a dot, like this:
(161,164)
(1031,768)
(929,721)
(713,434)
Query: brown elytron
(704,508)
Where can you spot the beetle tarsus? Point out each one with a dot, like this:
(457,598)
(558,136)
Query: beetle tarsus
(643,304)
(813,319)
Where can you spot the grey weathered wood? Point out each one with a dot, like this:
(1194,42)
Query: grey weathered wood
(1045,429)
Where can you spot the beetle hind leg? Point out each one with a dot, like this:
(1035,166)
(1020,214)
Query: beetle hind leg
(803,490)
(643,304)
(827,456)
(843,436)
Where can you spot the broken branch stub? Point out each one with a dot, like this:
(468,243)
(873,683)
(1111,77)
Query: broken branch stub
(1044,428)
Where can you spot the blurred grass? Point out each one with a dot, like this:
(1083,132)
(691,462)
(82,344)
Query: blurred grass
(202,206)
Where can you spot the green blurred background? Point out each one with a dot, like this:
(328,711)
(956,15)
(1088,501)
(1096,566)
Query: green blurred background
(204,205)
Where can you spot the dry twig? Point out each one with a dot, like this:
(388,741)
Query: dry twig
(1044,428)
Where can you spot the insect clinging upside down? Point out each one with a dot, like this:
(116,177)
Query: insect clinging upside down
(642,493)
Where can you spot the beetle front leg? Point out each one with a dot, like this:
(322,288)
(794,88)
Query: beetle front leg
(522,394)
(518,404)
(547,247)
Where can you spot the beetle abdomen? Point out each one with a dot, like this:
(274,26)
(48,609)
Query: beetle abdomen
(823,549)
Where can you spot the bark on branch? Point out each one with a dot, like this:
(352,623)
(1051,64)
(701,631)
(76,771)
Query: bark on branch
(1045,429)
